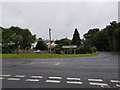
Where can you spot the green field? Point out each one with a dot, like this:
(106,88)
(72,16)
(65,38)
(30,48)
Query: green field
(43,55)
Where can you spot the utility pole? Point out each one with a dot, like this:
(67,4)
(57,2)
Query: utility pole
(50,40)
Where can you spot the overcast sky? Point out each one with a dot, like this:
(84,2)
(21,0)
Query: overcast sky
(61,17)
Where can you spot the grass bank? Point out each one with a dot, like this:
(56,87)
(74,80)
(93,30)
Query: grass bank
(44,55)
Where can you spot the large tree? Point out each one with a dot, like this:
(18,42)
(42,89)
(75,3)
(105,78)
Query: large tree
(76,38)
(90,37)
(16,37)
(116,36)
(91,33)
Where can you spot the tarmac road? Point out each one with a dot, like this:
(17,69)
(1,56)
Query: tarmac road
(100,71)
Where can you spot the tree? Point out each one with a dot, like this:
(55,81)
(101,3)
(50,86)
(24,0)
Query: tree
(100,41)
(63,41)
(15,37)
(116,36)
(111,34)
(106,39)
(91,33)
(27,40)
(90,37)
(41,45)
(76,38)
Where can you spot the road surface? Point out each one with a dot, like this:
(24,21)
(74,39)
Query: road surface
(100,71)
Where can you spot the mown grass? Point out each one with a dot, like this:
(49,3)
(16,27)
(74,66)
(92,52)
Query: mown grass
(44,55)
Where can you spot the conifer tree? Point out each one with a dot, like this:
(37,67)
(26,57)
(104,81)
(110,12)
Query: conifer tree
(76,38)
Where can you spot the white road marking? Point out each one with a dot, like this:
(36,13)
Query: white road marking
(20,76)
(117,85)
(105,86)
(53,81)
(57,64)
(116,81)
(99,80)
(73,78)
(16,79)
(55,78)
(33,80)
(1,78)
(36,76)
(101,84)
(5,75)
(72,82)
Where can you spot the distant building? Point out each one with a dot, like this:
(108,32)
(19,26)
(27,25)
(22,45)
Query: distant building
(67,48)
(53,45)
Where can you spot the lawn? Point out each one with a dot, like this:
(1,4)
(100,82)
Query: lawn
(43,55)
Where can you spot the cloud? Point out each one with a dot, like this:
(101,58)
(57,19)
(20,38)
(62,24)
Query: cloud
(62,17)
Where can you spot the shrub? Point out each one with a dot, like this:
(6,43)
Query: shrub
(93,49)
(58,49)
(7,49)
(84,50)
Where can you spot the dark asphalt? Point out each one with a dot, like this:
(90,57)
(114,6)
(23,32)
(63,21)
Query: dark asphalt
(103,66)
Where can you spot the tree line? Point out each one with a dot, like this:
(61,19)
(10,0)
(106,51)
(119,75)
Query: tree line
(76,40)
(106,39)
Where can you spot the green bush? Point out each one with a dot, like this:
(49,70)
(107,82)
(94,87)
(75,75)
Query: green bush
(84,50)
(7,49)
(58,49)
(93,49)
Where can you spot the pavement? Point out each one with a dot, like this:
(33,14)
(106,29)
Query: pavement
(100,71)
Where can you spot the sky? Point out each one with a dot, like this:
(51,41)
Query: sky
(61,17)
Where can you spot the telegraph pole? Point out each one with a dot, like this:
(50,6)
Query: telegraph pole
(50,40)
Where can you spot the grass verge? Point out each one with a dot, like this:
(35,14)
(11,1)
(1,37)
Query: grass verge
(44,55)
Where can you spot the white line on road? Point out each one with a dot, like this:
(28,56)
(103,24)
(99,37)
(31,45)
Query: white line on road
(73,78)
(116,81)
(1,78)
(33,80)
(20,76)
(100,80)
(36,76)
(55,78)
(16,79)
(53,81)
(117,85)
(72,82)
(101,84)
(5,75)
(57,64)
